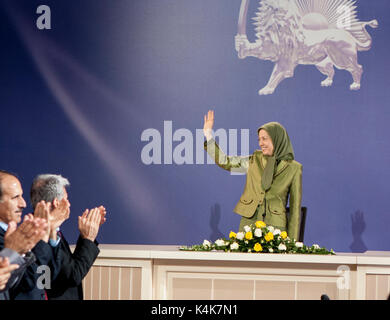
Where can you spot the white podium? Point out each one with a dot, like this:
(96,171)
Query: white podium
(165,272)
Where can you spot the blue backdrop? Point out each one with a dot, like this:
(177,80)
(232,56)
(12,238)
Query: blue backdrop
(76,99)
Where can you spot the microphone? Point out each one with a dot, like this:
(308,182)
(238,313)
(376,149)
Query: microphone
(325,297)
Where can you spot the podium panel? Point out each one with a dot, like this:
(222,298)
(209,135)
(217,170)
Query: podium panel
(133,272)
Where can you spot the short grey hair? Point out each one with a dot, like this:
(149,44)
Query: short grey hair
(47,187)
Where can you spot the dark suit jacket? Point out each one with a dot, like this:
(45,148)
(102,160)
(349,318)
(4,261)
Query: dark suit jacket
(26,288)
(74,267)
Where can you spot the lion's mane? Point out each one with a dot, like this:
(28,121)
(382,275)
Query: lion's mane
(275,21)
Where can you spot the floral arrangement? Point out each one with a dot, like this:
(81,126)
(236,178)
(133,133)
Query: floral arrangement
(258,237)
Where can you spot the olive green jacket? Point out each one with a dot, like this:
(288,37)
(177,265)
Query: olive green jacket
(287,182)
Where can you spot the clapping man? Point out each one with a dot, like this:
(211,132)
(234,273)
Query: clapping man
(16,255)
(74,266)
(15,243)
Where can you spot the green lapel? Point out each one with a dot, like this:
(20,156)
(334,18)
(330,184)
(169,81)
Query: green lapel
(283,164)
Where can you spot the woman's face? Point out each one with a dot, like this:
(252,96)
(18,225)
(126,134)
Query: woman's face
(265,143)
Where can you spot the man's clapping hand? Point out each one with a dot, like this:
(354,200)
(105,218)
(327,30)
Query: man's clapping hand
(103,212)
(23,238)
(42,210)
(60,211)
(90,222)
(5,271)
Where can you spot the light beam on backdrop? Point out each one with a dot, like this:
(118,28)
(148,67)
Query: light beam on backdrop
(138,194)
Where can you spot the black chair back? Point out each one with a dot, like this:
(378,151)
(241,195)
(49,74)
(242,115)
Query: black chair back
(302,224)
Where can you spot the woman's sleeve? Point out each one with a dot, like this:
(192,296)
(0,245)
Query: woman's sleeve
(229,163)
(295,205)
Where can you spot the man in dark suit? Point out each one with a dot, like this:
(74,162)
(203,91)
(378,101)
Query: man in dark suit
(16,255)
(75,266)
(23,283)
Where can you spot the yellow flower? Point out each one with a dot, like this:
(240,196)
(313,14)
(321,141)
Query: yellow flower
(258,247)
(260,224)
(232,234)
(269,236)
(249,235)
(283,235)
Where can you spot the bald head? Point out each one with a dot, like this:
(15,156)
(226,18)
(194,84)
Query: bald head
(11,198)
(3,174)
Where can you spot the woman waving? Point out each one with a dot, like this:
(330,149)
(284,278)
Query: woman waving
(274,178)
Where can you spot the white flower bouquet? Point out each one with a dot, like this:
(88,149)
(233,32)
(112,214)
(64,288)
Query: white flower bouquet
(258,237)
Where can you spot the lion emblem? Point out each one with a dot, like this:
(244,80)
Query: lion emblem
(324,33)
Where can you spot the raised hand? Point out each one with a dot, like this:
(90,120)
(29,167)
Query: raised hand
(208,124)
(208,120)
(89,224)
(5,271)
(26,236)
